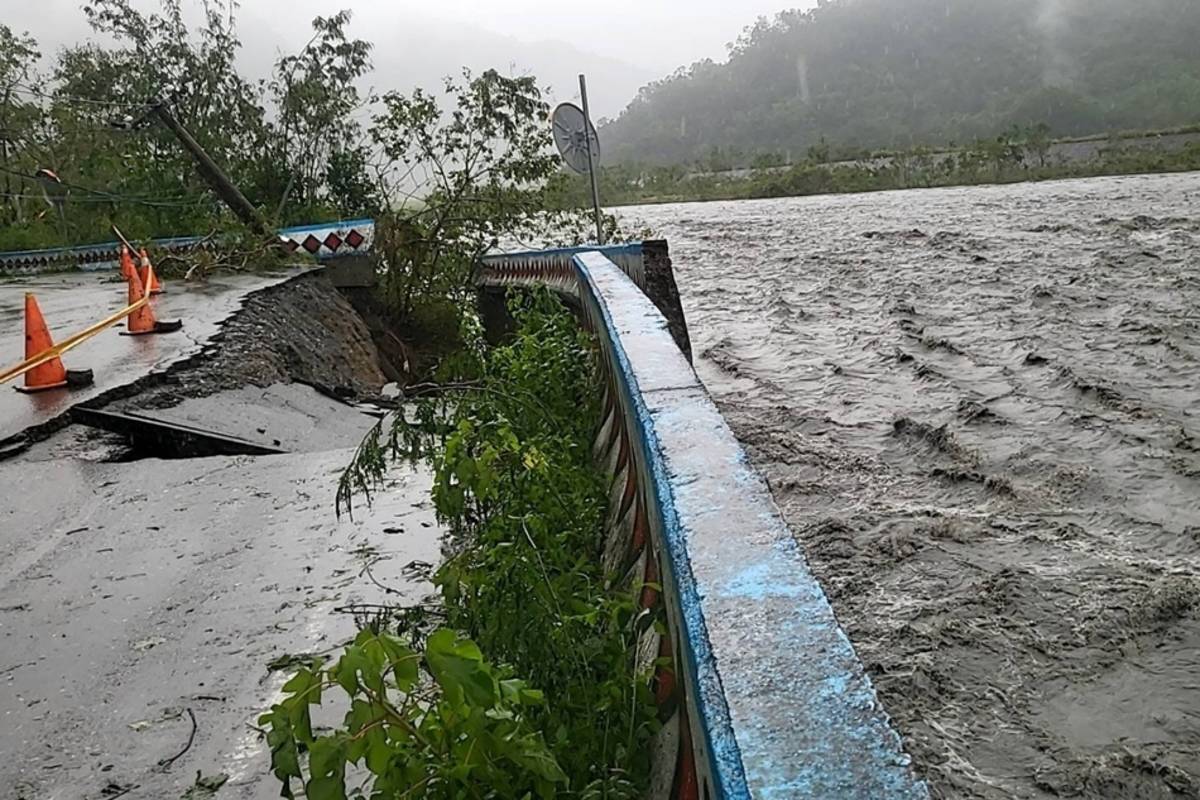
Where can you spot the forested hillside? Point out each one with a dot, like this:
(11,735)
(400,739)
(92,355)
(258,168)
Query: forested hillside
(894,73)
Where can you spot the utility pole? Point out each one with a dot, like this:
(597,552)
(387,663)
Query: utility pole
(592,167)
(212,173)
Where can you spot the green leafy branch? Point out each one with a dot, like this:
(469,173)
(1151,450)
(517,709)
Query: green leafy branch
(441,722)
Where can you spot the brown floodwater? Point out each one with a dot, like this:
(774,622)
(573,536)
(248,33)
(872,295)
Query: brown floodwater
(979,410)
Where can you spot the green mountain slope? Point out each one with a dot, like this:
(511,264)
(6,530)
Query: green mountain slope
(894,73)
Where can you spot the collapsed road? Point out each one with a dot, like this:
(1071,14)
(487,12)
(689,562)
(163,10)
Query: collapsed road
(149,606)
(72,301)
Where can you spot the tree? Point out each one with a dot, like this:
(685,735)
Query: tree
(818,153)
(1038,142)
(19,118)
(101,141)
(318,142)
(295,144)
(462,172)
(458,170)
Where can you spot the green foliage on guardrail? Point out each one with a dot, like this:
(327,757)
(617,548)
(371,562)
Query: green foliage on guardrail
(528,687)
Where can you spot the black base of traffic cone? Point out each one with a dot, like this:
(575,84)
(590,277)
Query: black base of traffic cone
(38,389)
(76,379)
(161,326)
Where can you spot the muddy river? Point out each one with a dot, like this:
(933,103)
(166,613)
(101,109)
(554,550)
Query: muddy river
(979,409)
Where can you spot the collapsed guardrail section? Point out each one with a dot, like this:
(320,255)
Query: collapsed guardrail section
(766,697)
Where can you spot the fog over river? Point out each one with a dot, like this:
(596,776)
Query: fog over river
(979,410)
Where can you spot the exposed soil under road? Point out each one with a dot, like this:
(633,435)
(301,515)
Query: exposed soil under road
(303,331)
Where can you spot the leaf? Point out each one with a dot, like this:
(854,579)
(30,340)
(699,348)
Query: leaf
(517,691)
(457,665)
(379,754)
(531,754)
(299,718)
(404,661)
(326,756)
(305,686)
(533,459)
(285,756)
(345,672)
(328,788)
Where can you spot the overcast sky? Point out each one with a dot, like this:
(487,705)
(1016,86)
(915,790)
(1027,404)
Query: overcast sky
(621,44)
(659,34)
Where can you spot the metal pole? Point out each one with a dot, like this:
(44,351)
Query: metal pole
(587,132)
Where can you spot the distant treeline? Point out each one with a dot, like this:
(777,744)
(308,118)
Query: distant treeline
(901,73)
(1018,155)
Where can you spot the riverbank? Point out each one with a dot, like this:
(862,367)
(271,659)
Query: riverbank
(1008,159)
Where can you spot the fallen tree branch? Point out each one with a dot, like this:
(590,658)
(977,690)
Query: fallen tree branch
(167,762)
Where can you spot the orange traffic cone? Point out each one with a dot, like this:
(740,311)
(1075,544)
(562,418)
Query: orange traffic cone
(142,320)
(149,279)
(126,262)
(52,374)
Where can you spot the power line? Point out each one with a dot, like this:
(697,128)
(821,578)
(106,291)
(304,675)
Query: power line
(29,90)
(163,202)
(106,196)
(102,194)
(12,134)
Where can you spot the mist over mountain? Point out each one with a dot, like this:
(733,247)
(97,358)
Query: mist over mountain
(411,49)
(414,50)
(892,73)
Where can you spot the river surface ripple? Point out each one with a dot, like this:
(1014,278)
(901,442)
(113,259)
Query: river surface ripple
(978,410)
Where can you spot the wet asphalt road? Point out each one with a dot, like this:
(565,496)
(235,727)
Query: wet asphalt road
(131,592)
(71,302)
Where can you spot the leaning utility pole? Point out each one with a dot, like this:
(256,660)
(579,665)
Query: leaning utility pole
(209,170)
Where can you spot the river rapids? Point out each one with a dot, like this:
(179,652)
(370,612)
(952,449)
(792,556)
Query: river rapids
(978,410)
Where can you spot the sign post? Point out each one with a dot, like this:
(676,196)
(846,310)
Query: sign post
(592,165)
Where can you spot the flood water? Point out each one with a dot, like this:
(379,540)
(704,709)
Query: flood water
(979,410)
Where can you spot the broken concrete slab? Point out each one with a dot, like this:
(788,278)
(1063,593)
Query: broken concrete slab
(248,421)
(164,439)
(292,417)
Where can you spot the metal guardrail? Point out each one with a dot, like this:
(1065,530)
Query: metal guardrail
(323,241)
(767,698)
(528,267)
(648,265)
